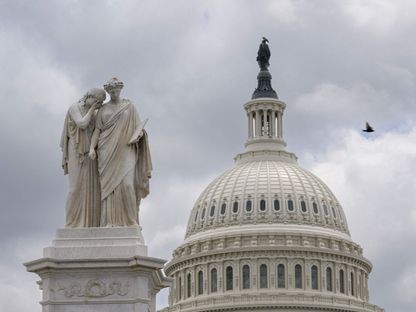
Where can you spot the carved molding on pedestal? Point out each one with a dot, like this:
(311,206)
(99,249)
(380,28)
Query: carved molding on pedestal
(95,288)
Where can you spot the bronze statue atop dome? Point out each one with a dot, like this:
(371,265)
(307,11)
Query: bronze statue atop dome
(263,54)
(264,86)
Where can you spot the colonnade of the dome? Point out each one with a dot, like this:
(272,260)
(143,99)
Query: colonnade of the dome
(253,274)
(265,120)
(276,265)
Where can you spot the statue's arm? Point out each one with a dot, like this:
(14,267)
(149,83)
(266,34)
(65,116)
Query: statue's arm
(82,121)
(94,142)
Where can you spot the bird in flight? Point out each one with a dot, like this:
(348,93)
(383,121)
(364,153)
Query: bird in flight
(368,128)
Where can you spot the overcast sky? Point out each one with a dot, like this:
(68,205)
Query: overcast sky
(189,66)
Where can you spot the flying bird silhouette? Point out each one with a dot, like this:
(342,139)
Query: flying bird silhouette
(368,128)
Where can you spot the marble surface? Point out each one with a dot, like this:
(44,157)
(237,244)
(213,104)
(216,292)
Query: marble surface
(99,269)
(97,243)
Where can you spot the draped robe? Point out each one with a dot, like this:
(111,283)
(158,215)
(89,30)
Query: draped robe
(83,201)
(124,168)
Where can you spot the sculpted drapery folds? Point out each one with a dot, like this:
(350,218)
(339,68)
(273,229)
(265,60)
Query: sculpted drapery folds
(124,162)
(83,201)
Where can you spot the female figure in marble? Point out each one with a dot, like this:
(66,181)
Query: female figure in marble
(124,162)
(83,201)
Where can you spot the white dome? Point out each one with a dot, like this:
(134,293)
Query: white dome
(266,192)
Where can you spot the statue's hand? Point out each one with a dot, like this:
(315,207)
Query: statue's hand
(96,105)
(140,135)
(92,154)
(137,138)
(99,105)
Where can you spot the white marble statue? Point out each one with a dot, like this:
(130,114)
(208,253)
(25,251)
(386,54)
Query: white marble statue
(121,146)
(83,202)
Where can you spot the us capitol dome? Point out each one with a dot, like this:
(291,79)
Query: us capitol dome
(267,234)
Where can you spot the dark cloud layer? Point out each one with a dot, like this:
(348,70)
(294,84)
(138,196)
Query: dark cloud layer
(190,66)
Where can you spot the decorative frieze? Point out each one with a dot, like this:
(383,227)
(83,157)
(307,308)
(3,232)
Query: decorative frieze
(94,288)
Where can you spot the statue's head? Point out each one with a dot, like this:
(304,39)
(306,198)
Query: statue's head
(264,40)
(113,87)
(94,95)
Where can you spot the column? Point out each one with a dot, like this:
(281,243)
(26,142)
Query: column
(252,118)
(250,125)
(272,124)
(258,124)
(279,124)
(265,124)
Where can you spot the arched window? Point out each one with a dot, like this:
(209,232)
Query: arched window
(214,279)
(325,209)
(203,214)
(314,277)
(262,205)
(248,205)
(263,276)
(276,205)
(180,288)
(229,278)
(235,207)
(303,206)
(341,282)
(196,216)
(352,284)
(246,277)
(315,208)
(328,279)
(333,212)
(290,206)
(298,276)
(188,285)
(200,283)
(223,207)
(281,276)
(212,211)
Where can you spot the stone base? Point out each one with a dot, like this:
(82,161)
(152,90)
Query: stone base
(99,269)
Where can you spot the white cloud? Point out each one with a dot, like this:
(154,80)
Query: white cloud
(378,16)
(165,213)
(328,99)
(18,288)
(402,77)
(405,288)
(373,177)
(284,11)
(18,292)
(45,86)
(33,82)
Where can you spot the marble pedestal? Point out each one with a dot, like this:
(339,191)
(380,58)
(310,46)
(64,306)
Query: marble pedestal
(98,270)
